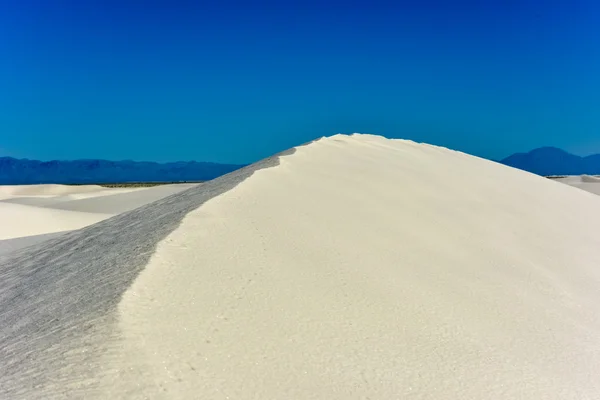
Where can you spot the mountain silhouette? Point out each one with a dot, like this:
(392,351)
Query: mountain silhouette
(548,161)
(23,171)
(544,161)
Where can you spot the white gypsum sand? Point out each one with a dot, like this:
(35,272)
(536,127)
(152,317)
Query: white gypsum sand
(48,189)
(9,245)
(122,201)
(353,267)
(585,182)
(22,220)
(32,210)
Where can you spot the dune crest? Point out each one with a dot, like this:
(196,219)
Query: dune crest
(353,267)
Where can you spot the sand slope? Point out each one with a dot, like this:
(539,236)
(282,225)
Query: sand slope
(121,202)
(9,245)
(44,200)
(35,210)
(351,268)
(47,189)
(21,220)
(585,182)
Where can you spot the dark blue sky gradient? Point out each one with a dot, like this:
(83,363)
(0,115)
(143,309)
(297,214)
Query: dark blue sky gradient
(237,81)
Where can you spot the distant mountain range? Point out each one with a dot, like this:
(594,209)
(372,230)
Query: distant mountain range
(22,171)
(548,161)
(544,161)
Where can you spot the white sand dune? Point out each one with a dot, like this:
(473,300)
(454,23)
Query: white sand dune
(584,182)
(121,202)
(30,214)
(354,267)
(39,209)
(20,220)
(590,179)
(107,201)
(47,189)
(51,200)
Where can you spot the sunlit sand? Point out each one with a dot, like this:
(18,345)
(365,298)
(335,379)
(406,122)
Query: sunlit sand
(352,267)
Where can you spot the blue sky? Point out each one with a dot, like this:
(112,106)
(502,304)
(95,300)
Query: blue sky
(236,81)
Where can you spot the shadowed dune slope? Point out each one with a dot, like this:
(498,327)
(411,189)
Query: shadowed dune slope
(14,244)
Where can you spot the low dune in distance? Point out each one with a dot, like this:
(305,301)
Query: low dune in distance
(352,267)
(22,220)
(47,190)
(584,182)
(34,210)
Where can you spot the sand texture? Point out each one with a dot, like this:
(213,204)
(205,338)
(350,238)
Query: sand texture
(22,220)
(353,267)
(585,182)
(37,210)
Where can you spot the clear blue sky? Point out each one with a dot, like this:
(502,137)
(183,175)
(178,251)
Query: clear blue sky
(239,80)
